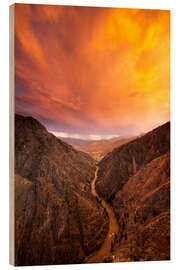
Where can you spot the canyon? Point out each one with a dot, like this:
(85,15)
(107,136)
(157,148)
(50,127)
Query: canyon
(72,208)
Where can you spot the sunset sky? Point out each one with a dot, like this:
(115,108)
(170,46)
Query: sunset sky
(92,72)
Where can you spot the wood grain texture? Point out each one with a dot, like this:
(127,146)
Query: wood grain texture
(11,135)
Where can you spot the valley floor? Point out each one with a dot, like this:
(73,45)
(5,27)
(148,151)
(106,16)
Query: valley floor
(105,249)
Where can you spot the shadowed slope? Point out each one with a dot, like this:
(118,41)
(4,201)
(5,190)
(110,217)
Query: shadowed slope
(53,202)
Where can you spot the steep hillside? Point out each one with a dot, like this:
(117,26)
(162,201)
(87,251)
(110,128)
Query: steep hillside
(119,165)
(135,180)
(53,203)
(142,209)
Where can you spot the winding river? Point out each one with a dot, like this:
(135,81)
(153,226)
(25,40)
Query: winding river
(105,249)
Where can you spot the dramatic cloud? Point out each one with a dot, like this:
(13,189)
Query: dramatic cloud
(92,71)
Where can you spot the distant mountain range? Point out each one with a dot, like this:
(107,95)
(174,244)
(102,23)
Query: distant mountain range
(98,148)
(74,141)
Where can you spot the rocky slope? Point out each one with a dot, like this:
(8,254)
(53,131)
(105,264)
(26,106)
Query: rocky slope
(53,200)
(135,179)
(120,164)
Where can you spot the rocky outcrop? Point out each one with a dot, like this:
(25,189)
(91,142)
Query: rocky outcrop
(58,220)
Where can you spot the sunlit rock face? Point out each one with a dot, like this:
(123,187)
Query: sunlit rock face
(58,220)
(135,179)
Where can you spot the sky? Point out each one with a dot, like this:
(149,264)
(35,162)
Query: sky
(92,73)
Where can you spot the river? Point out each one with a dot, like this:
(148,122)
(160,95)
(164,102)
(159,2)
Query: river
(105,249)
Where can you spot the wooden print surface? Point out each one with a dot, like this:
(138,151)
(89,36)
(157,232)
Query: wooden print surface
(90,135)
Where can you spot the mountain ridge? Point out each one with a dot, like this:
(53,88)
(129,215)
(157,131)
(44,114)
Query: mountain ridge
(53,200)
(129,158)
(135,180)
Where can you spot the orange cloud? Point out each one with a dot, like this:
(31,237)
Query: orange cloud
(93,70)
